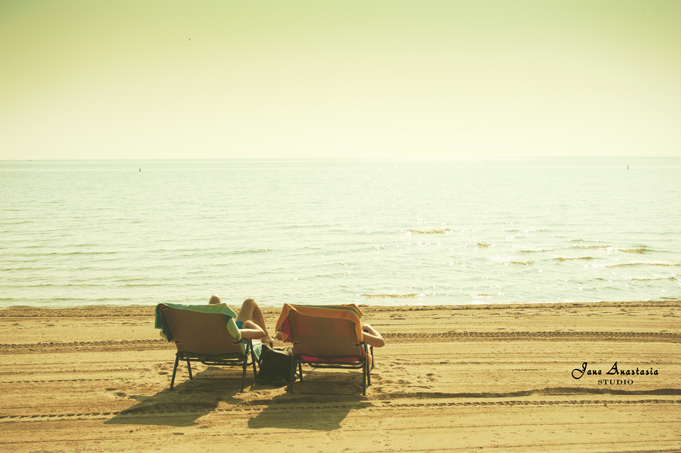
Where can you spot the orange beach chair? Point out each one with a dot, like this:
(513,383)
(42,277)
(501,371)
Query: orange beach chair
(326,337)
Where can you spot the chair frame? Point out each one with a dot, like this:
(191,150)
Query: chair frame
(332,362)
(221,359)
(359,355)
(241,360)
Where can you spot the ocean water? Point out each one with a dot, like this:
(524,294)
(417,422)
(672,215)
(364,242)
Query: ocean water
(376,232)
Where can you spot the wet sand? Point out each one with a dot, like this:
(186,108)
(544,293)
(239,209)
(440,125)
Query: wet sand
(451,378)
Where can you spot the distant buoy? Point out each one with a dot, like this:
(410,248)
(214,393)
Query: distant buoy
(141,169)
(627,167)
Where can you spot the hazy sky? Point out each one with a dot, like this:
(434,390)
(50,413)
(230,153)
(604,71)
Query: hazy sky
(322,78)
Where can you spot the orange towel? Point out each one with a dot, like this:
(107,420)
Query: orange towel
(350,312)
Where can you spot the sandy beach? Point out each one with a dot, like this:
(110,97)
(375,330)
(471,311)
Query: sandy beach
(451,378)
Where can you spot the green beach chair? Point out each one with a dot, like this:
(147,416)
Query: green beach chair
(206,334)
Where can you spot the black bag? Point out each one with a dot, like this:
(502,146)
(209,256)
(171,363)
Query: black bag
(275,365)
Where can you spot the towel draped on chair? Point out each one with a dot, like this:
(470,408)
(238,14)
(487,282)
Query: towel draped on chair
(351,312)
(161,324)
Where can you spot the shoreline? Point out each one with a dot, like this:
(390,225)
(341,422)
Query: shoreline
(476,305)
(451,378)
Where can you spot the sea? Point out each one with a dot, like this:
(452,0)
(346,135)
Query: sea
(319,231)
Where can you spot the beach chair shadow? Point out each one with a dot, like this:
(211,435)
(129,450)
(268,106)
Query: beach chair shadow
(326,337)
(183,406)
(321,413)
(208,338)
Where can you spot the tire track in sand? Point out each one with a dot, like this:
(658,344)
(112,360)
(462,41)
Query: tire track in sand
(189,408)
(135,345)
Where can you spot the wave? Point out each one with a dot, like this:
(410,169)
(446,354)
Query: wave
(638,249)
(642,263)
(311,225)
(201,251)
(484,244)
(141,285)
(42,246)
(574,258)
(394,295)
(86,285)
(74,301)
(535,250)
(20,269)
(511,260)
(246,252)
(71,253)
(434,231)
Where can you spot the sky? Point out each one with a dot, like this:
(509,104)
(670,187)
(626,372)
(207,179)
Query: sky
(339,79)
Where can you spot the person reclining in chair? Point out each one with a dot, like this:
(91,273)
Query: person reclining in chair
(250,320)
(371,337)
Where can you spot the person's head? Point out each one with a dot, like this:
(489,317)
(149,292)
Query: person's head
(214,299)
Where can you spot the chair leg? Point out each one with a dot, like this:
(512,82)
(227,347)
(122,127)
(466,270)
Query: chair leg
(364,376)
(300,371)
(369,368)
(189,367)
(253,358)
(177,361)
(293,375)
(243,373)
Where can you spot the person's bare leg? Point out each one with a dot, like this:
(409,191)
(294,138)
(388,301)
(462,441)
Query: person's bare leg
(250,311)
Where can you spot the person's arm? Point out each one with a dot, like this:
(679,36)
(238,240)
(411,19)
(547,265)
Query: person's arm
(251,331)
(372,337)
